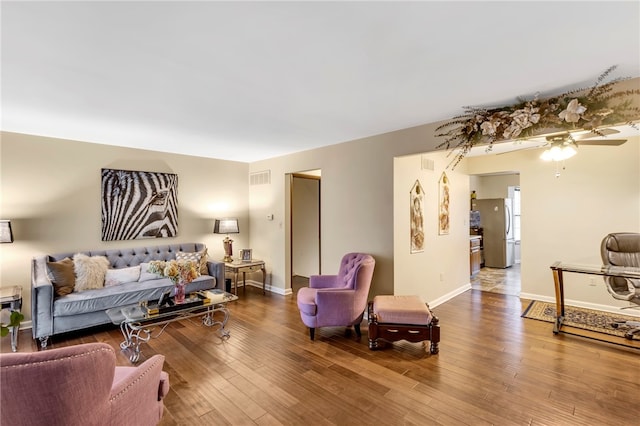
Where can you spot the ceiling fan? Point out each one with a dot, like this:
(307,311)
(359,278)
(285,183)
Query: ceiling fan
(561,146)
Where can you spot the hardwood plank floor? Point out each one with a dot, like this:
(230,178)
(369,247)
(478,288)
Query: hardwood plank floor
(494,367)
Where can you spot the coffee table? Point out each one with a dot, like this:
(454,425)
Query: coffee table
(137,323)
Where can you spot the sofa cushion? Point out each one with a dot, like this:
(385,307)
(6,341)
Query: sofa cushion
(121,276)
(121,295)
(145,275)
(63,277)
(90,271)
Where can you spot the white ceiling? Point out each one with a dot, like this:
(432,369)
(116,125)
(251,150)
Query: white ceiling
(247,81)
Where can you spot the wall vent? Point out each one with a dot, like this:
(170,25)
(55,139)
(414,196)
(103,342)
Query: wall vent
(260,178)
(427,163)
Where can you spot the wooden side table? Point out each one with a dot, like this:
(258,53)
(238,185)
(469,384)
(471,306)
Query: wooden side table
(244,267)
(11,298)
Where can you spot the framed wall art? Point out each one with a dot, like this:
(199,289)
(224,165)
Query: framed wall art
(416,218)
(443,213)
(138,205)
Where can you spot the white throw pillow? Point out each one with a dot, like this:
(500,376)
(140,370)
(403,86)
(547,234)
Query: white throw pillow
(145,275)
(90,271)
(121,276)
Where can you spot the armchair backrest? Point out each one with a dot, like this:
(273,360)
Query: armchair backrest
(80,385)
(621,249)
(356,271)
(55,385)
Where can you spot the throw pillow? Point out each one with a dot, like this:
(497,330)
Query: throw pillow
(199,257)
(90,271)
(121,276)
(62,276)
(145,275)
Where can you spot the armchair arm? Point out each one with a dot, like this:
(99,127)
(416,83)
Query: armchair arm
(621,288)
(322,281)
(216,269)
(41,299)
(137,392)
(336,306)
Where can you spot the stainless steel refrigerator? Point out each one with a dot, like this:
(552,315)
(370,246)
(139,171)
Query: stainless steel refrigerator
(496,220)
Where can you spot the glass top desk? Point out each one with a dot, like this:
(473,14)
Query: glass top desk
(558,268)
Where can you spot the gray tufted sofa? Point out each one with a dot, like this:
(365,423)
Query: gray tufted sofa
(54,315)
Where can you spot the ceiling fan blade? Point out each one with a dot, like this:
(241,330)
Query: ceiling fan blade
(602,142)
(599,133)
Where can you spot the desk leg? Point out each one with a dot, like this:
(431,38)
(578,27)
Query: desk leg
(235,282)
(264,279)
(559,285)
(244,281)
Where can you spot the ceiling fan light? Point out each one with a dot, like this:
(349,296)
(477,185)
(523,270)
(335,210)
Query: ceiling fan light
(557,153)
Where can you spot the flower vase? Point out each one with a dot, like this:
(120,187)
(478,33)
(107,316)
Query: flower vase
(178,298)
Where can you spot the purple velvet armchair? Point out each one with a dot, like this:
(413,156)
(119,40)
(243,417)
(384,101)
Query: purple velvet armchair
(80,385)
(338,300)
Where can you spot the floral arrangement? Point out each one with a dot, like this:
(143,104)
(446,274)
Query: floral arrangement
(585,108)
(178,271)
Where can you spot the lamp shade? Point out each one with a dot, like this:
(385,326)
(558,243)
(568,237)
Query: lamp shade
(226,226)
(6,236)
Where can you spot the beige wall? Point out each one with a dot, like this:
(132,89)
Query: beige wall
(494,186)
(357,202)
(51,192)
(442,269)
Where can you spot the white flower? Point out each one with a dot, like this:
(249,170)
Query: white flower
(573,112)
(489,128)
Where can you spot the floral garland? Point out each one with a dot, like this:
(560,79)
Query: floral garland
(585,108)
(178,271)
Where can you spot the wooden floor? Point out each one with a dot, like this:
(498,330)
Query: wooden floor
(494,367)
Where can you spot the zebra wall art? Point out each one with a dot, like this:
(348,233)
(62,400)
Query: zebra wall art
(139,205)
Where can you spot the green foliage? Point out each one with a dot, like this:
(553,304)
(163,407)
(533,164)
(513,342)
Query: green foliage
(14,321)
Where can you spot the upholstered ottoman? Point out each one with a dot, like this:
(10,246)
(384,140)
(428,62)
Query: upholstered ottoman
(394,318)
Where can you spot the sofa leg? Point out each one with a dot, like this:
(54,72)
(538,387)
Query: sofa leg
(356,327)
(43,342)
(312,332)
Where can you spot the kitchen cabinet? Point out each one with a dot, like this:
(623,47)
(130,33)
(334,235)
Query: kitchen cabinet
(475,257)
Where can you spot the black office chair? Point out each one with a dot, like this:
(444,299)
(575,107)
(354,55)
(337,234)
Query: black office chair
(623,249)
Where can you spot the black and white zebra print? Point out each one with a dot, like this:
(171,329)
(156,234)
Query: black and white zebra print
(139,205)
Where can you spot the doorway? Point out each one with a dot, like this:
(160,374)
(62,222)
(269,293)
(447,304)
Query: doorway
(499,185)
(304,227)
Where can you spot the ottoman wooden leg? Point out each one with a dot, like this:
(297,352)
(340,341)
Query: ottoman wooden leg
(435,335)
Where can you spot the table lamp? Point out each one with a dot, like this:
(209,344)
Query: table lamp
(227,226)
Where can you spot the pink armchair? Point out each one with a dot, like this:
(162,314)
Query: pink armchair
(338,300)
(80,385)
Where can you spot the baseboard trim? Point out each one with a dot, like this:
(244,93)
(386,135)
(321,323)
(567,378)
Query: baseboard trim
(270,288)
(440,300)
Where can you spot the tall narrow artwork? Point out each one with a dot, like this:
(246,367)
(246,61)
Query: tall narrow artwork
(417,218)
(139,205)
(443,214)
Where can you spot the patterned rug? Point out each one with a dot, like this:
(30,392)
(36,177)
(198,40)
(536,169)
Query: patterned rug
(586,319)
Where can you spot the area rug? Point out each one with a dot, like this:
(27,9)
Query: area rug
(586,319)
